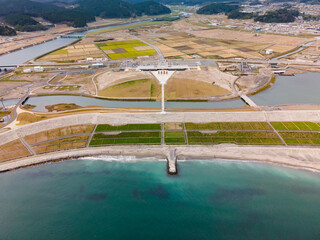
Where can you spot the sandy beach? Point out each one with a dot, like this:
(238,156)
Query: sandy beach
(307,158)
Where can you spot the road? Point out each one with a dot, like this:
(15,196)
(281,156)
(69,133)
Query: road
(161,57)
(14,110)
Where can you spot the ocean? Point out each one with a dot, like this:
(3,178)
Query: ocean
(125,198)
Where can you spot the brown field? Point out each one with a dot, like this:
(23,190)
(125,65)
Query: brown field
(141,88)
(64,140)
(62,146)
(78,51)
(56,133)
(25,118)
(179,87)
(11,147)
(173,126)
(11,150)
(185,46)
(212,75)
(250,37)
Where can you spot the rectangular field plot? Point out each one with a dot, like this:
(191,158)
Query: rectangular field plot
(296,126)
(58,133)
(174,138)
(256,138)
(301,138)
(128,127)
(128,135)
(126,49)
(114,137)
(11,150)
(59,146)
(125,141)
(229,126)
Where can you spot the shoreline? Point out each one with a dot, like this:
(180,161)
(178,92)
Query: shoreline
(307,159)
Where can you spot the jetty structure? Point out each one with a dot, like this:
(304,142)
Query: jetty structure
(172,162)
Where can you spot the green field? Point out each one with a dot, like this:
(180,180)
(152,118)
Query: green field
(174,138)
(127,127)
(126,141)
(241,133)
(229,126)
(128,135)
(125,49)
(295,126)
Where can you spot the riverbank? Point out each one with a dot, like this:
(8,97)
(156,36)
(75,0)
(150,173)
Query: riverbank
(307,158)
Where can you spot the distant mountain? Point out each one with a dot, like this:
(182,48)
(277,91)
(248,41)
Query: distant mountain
(108,8)
(56,1)
(215,8)
(47,11)
(151,8)
(121,9)
(19,13)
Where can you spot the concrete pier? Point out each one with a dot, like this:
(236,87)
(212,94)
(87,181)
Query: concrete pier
(162,99)
(172,162)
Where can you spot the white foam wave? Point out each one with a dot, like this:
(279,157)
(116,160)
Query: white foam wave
(119,158)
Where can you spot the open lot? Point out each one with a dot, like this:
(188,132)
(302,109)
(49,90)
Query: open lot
(128,84)
(141,88)
(126,49)
(186,88)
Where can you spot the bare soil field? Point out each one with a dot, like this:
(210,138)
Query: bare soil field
(185,88)
(250,37)
(182,45)
(212,75)
(59,132)
(32,77)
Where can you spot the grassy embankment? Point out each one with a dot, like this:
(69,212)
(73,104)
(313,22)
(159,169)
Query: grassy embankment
(141,88)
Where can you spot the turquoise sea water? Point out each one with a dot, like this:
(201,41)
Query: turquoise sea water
(90,199)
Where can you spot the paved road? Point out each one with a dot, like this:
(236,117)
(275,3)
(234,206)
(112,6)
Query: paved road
(161,57)
(14,110)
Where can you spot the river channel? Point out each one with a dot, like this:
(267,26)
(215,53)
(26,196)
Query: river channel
(299,89)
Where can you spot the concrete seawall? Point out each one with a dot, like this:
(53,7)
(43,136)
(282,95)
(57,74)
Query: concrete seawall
(301,157)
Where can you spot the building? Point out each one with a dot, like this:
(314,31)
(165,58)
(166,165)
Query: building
(38,69)
(269,51)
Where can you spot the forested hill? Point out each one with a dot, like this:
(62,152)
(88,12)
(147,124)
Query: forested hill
(122,9)
(215,8)
(19,13)
(7,31)
(47,11)
(151,8)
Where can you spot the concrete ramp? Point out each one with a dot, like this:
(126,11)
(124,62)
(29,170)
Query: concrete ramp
(163,75)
